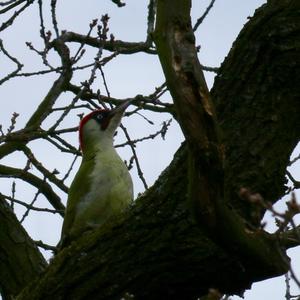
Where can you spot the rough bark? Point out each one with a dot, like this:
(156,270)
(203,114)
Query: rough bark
(21,262)
(155,250)
(195,111)
(257,96)
(197,117)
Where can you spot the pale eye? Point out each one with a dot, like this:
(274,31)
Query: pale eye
(99,117)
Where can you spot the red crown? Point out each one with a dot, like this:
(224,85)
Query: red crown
(84,120)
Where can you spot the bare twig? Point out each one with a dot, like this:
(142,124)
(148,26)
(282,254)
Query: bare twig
(19,65)
(159,91)
(136,111)
(54,20)
(201,19)
(41,72)
(161,132)
(288,287)
(70,147)
(139,170)
(13,122)
(210,69)
(10,21)
(118,2)
(58,87)
(138,100)
(42,30)
(151,21)
(105,83)
(29,206)
(49,175)
(45,246)
(85,85)
(46,36)
(70,168)
(295,182)
(294,277)
(285,237)
(294,160)
(13,194)
(2,134)
(65,130)
(87,106)
(59,147)
(44,52)
(111,45)
(80,50)
(13,3)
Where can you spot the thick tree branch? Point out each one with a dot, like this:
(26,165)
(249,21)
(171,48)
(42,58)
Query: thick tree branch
(257,96)
(20,261)
(196,114)
(40,184)
(290,238)
(47,174)
(58,87)
(155,245)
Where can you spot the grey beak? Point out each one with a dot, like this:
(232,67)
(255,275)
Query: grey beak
(120,108)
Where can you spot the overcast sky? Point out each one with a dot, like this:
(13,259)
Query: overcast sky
(127,76)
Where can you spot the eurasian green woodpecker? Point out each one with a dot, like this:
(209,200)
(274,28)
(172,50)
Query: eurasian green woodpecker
(102,186)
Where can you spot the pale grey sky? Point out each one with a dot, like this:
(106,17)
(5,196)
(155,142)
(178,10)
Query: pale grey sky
(126,77)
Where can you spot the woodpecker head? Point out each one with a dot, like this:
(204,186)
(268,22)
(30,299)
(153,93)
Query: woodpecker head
(99,126)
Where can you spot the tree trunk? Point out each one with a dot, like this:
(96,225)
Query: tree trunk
(257,96)
(156,250)
(20,262)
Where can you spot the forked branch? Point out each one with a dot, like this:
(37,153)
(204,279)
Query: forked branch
(175,42)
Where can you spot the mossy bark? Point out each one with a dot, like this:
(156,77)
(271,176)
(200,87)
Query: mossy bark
(156,250)
(20,262)
(257,96)
(197,117)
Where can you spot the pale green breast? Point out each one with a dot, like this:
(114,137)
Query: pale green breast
(101,188)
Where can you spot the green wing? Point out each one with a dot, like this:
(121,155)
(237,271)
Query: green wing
(78,189)
(101,188)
